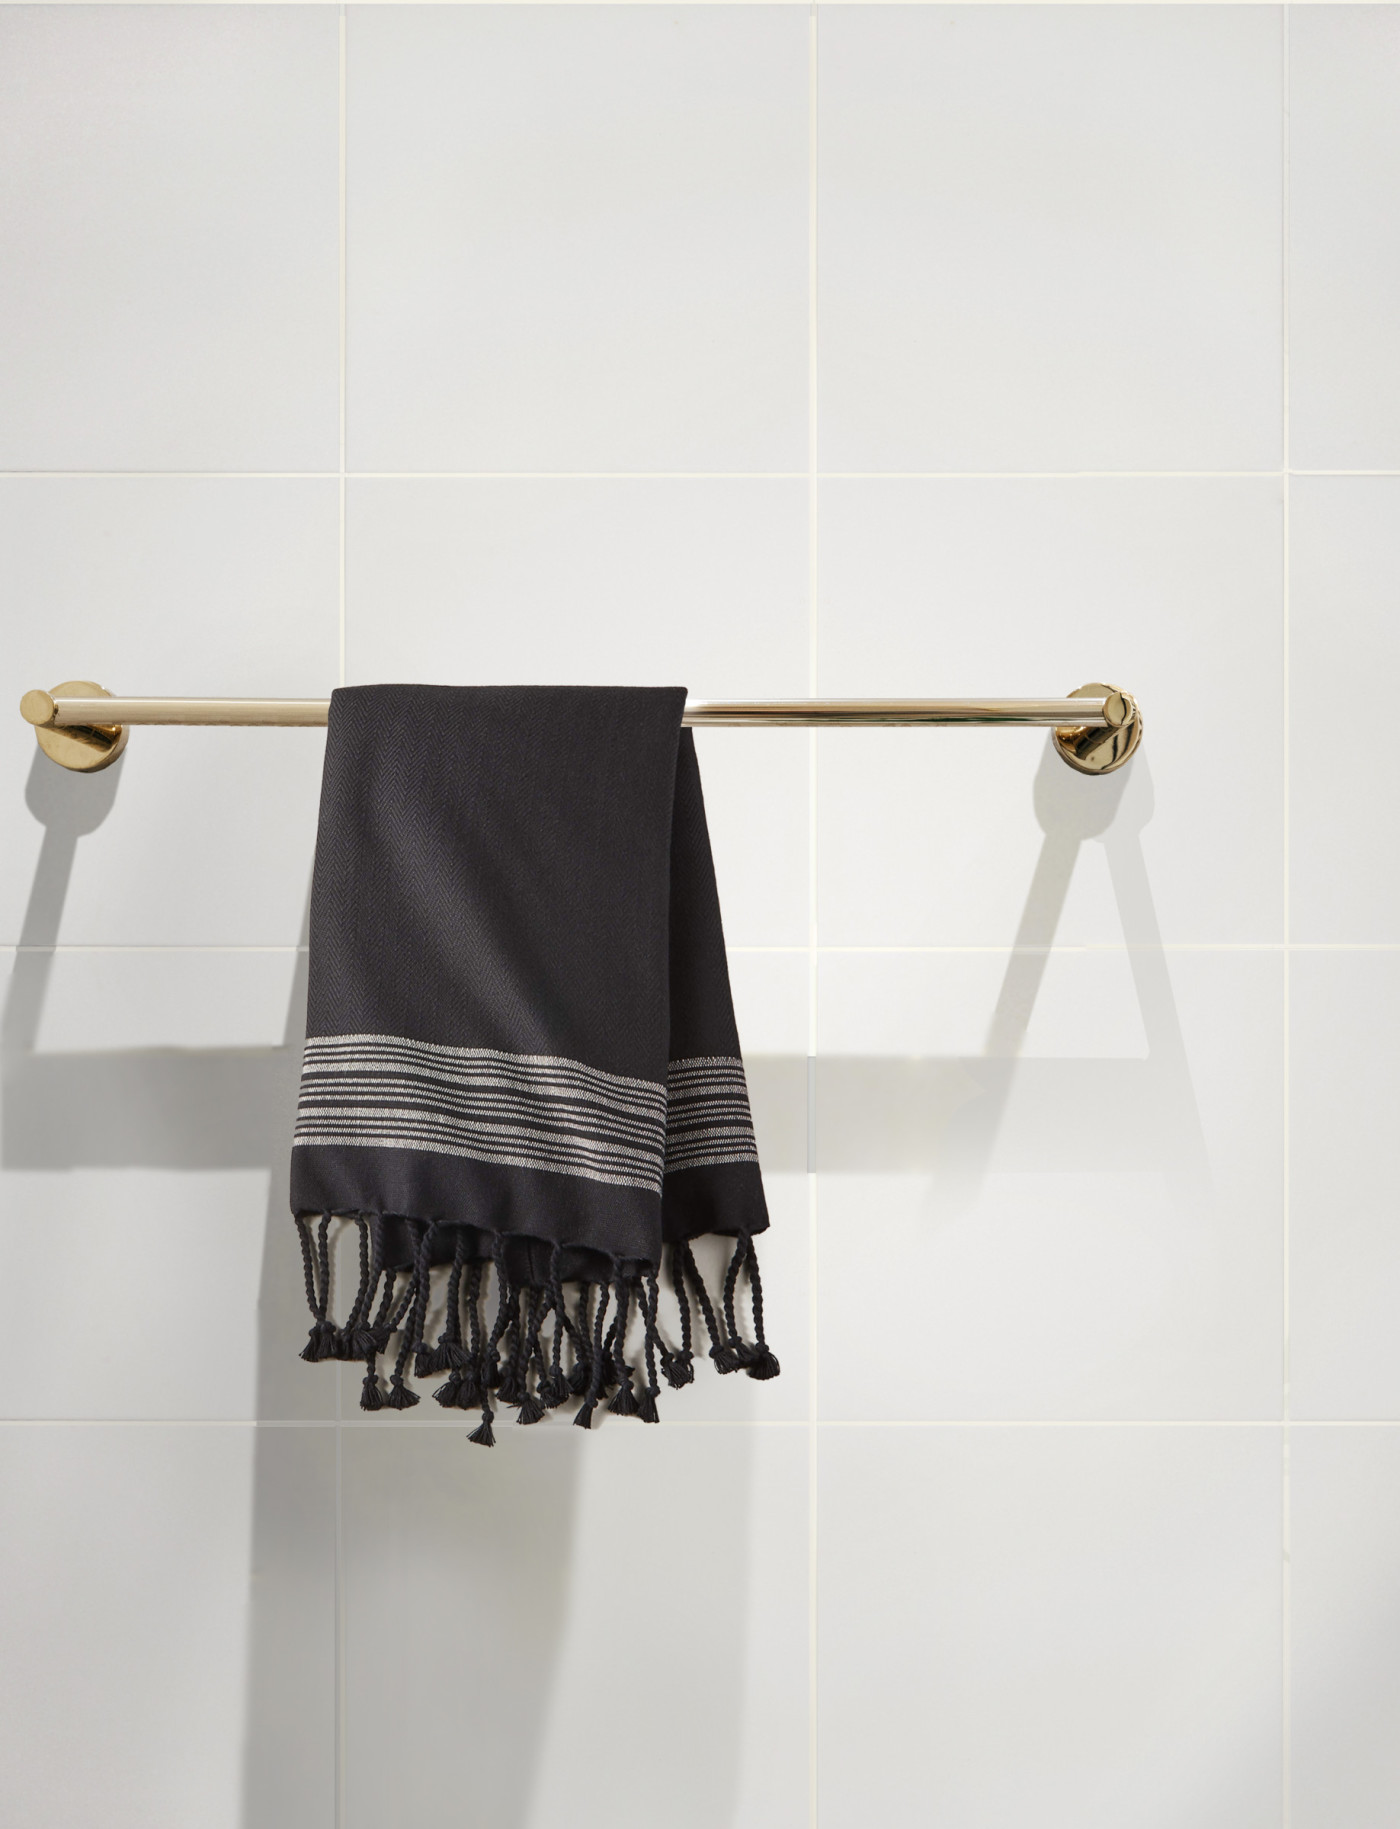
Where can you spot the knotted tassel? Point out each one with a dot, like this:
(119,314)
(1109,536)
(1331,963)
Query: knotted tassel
(624,1403)
(323,1341)
(678,1367)
(515,1389)
(354,1340)
(398,1396)
(739,1351)
(754,1358)
(553,1386)
(580,1331)
(763,1364)
(722,1351)
(411,1311)
(584,1418)
(442,1357)
(490,1371)
(649,1301)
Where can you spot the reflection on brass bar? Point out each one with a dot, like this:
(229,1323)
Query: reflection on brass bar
(1033,713)
(192,711)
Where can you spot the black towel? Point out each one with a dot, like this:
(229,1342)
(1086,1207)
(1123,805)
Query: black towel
(522,1078)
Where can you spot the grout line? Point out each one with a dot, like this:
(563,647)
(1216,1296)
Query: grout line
(665,476)
(342,222)
(163,476)
(447,1424)
(1093,948)
(67,946)
(338,1558)
(813,948)
(341,1672)
(1102,946)
(579,476)
(1286,1496)
(1037,476)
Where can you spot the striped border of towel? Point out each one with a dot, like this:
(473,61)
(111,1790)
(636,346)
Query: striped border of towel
(707,1113)
(526,1110)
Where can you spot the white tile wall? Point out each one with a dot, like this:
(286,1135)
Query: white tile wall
(1344,148)
(167,585)
(1049,239)
(636,1584)
(1077,1628)
(168,209)
(1346,1677)
(170,1618)
(1345,1168)
(579,238)
(1170,588)
(763,348)
(1078,1216)
(1345,570)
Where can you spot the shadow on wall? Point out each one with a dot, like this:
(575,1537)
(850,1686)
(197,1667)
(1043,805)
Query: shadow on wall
(457,1566)
(948,1116)
(507,1526)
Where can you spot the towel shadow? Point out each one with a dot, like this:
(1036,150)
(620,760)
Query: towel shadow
(432,1527)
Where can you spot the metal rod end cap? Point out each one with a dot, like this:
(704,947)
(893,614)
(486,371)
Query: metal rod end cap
(37,707)
(85,747)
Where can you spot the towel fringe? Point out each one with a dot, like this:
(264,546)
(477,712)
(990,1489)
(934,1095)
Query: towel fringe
(585,1355)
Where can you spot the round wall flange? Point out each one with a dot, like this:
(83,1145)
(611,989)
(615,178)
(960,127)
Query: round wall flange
(86,747)
(1098,749)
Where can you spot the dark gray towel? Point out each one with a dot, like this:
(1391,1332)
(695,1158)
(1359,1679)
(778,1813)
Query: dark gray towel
(521,1060)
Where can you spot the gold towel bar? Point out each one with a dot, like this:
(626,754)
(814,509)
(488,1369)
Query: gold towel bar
(1097,728)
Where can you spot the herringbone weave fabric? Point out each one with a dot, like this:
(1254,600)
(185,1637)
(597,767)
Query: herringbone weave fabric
(522,1086)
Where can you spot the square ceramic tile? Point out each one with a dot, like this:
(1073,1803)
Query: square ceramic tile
(1344,246)
(1170,589)
(145,1132)
(1345,1590)
(655,1579)
(696,583)
(166,586)
(1076,1628)
(1343,1252)
(1049,238)
(160,1578)
(171,203)
(1050,1185)
(578,239)
(1344,581)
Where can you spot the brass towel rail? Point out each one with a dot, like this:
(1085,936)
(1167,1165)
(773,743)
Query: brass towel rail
(83,726)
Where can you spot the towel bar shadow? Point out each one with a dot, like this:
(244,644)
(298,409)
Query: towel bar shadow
(1097,728)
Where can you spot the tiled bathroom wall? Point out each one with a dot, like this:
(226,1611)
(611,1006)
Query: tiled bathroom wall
(771,350)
